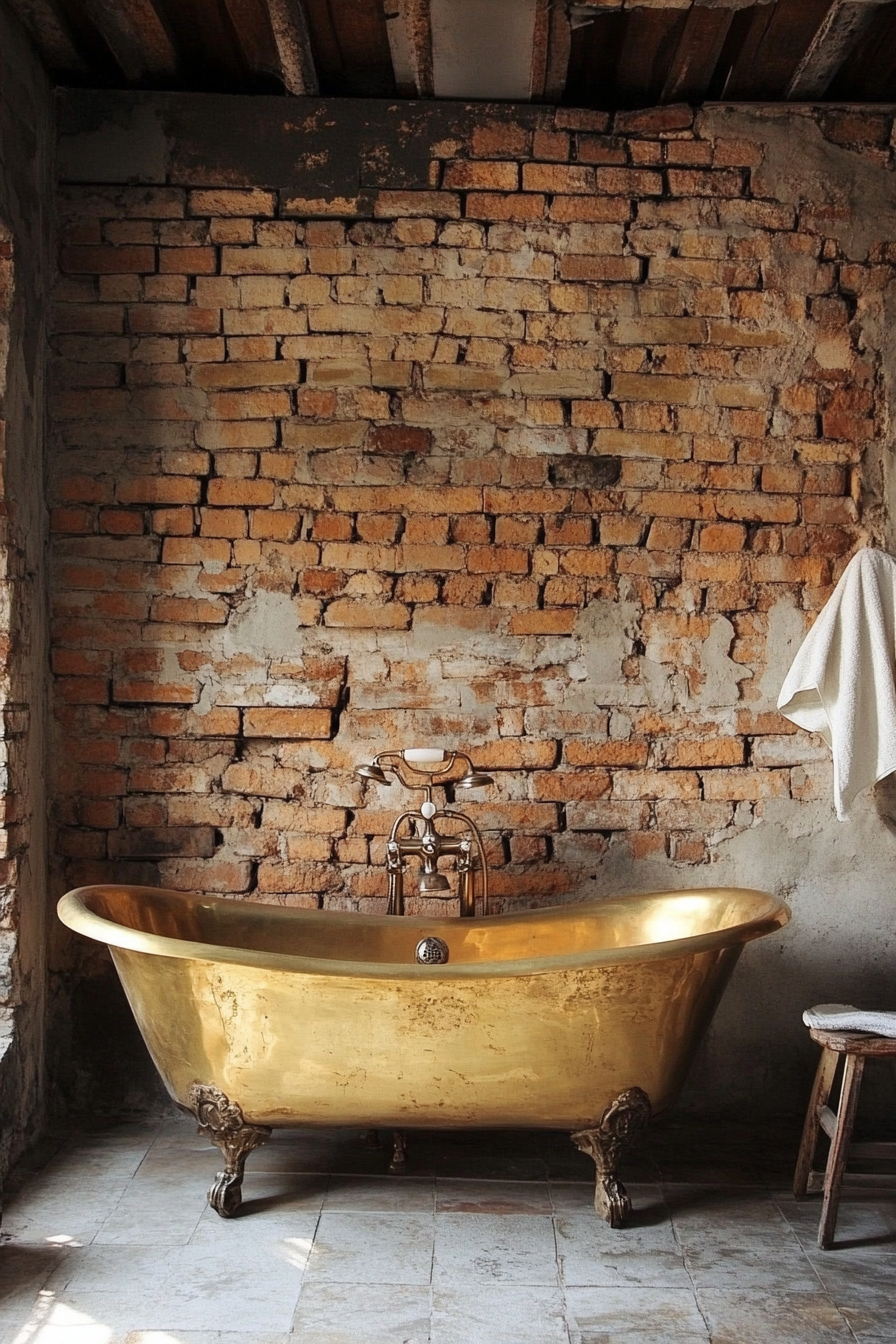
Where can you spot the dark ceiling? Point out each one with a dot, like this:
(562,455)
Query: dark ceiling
(586,53)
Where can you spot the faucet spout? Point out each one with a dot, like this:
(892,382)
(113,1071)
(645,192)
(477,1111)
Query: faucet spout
(432,881)
(423,840)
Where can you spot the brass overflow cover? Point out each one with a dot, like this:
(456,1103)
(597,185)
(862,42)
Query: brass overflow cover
(432,952)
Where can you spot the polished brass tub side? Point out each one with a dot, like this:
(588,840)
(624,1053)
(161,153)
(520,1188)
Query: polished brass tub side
(564,1018)
(223,1122)
(620,1125)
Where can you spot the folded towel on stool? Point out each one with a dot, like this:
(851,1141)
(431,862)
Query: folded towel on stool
(846,1017)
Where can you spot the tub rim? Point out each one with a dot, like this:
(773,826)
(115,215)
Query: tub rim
(75,913)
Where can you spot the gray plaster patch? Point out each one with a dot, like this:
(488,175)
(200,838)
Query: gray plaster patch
(786,631)
(723,676)
(265,625)
(606,633)
(803,169)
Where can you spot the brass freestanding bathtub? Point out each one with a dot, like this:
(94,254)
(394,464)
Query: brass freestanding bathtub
(579,1017)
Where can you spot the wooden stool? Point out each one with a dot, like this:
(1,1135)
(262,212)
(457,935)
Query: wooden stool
(855,1047)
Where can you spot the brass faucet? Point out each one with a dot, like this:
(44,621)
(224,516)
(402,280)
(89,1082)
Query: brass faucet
(425,768)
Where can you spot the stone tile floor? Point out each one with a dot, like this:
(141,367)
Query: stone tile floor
(490,1239)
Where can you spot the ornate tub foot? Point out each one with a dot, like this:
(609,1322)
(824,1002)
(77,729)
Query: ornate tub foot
(399,1151)
(620,1123)
(222,1121)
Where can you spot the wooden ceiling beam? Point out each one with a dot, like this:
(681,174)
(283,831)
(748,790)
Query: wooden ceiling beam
(846,24)
(594,56)
(697,55)
(559,48)
(541,38)
(255,34)
(293,46)
(137,36)
(651,38)
(364,42)
(399,50)
(869,73)
(609,52)
(776,42)
(551,48)
(409,26)
(582,11)
(51,35)
(750,28)
(351,47)
(324,42)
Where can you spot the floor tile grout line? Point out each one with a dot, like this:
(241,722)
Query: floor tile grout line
(684,1258)
(432,1258)
(432,1300)
(848,1325)
(302,1280)
(558,1265)
(694,1289)
(117,1205)
(834,1303)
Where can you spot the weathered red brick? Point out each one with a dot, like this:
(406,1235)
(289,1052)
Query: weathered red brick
(399,439)
(251,373)
(131,690)
(191,610)
(353,615)
(83,690)
(628,182)
(691,182)
(233,201)
(655,120)
(187,260)
(431,204)
(556,621)
(600,268)
(287,723)
(107,260)
(654,387)
(159,490)
(566,179)
(495,140)
(479,174)
(242,493)
(151,318)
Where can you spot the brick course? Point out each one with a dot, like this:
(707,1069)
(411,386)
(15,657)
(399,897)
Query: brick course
(381,466)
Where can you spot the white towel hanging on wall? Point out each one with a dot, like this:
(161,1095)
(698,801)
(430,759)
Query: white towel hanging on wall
(843,680)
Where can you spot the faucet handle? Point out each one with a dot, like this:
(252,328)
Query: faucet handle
(423,755)
(430,765)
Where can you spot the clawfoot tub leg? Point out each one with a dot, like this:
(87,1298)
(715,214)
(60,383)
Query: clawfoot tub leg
(399,1151)
(620,1123)
(222,1121)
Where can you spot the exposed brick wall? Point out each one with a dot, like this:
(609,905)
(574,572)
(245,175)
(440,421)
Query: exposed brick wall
(522,459)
